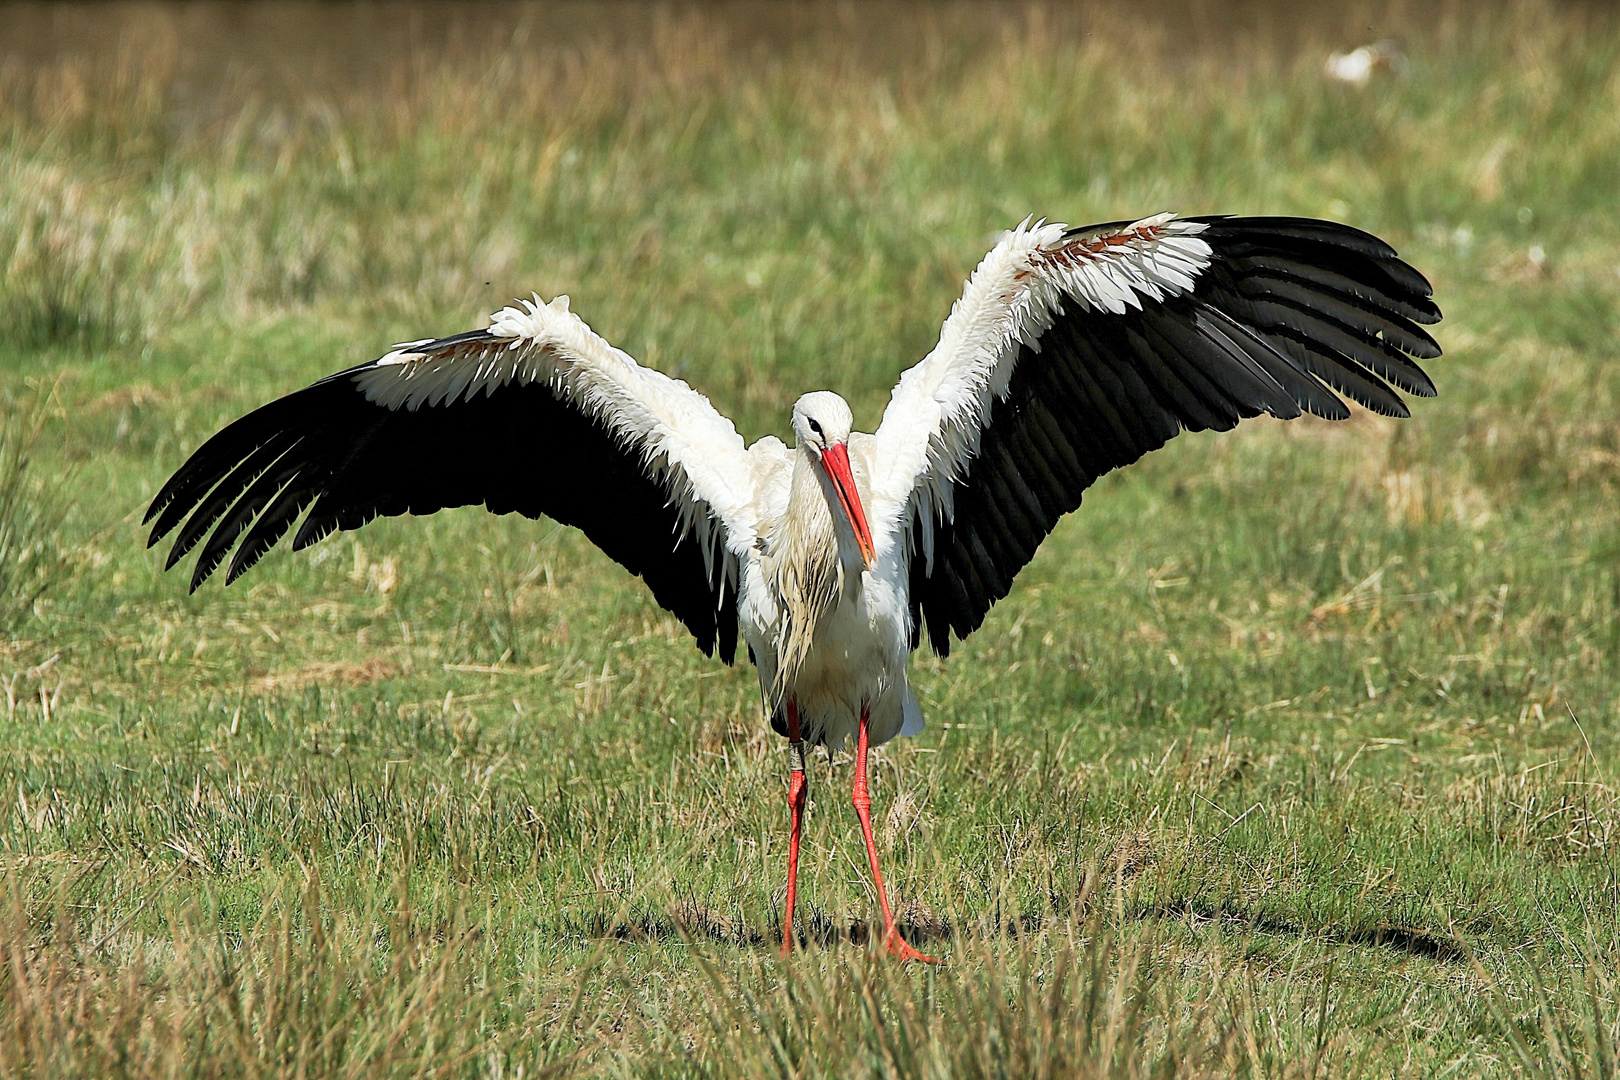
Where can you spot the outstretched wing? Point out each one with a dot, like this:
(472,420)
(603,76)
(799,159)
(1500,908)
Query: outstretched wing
(1076,351)
(534,415)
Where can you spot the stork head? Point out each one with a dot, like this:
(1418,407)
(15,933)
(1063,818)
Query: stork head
(822,423)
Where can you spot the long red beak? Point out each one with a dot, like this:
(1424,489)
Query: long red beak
(836,462)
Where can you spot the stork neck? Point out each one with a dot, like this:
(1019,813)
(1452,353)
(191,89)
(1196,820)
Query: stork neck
(805,568)
(814,497)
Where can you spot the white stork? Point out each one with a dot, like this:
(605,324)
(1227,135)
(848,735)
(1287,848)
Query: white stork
(1072,352)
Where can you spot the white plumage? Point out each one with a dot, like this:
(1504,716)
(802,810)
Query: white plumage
(1070,353)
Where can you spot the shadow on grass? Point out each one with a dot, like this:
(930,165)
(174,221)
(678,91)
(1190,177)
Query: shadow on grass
(817,928)
(1408,939)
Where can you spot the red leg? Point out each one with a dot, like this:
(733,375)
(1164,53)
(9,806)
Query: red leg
(892,940)
(798,792)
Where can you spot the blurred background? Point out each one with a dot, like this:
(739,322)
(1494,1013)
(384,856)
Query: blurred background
(294,50)
(178,164)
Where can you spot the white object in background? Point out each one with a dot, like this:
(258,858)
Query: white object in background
(1357,66)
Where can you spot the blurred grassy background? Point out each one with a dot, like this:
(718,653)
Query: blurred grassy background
(1293,753)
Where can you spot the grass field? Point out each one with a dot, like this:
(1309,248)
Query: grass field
(1294,752)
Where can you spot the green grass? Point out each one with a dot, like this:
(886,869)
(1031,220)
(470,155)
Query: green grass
(1294,752)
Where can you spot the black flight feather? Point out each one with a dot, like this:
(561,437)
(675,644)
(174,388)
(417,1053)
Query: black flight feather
(1290,314)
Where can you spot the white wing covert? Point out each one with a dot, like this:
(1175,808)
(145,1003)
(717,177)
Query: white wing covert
(535,414)
(1073,352)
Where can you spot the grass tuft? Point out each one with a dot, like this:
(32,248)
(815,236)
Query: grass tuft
(33,556)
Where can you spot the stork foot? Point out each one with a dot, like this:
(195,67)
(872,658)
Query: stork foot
(899,948)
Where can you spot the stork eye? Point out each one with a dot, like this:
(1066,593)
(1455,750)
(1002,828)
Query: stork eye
(815,427)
